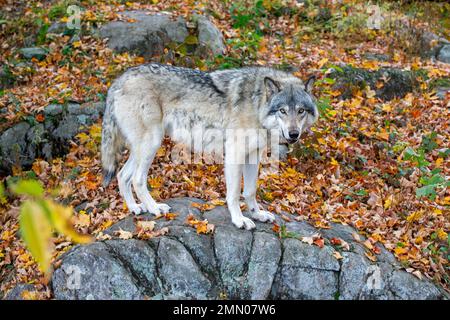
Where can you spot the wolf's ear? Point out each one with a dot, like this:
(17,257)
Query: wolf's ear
(310,83)
(272,87)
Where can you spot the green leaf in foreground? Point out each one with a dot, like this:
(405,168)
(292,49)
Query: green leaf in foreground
(2,194)
(28,187)
(36,231)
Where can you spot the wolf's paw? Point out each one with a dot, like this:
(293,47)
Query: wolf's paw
(247,223)
(163,208)
(137,209)
(160,208)
(263,216)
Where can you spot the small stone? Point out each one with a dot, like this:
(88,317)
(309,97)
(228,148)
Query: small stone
(444,54)
(34,52)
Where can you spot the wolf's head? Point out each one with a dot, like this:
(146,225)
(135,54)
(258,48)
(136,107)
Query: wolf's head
(291,108)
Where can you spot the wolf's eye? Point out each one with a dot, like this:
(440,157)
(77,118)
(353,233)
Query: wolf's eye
(301,110)
(283,111)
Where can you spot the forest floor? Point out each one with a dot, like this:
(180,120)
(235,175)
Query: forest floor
(380,166)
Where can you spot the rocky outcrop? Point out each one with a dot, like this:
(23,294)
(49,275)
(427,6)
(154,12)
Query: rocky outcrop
(22,143)
(231,263)
(396,82)
(434,46)
(148,35)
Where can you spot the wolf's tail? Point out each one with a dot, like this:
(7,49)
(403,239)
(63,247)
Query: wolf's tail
(111,144)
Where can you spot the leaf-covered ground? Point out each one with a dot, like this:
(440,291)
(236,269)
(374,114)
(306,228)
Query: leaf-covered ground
(381,167)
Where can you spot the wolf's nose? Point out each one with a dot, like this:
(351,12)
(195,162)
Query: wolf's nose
(293,134)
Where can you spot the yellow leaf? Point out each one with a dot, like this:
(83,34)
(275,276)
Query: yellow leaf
(321,63)
(370,256)
(415,216)
(82,219)
(76,44)
(60,217)
(36,231)
(439,162)
(418,240)
(441,234)
(170,216)
(384,135)
(388,203)
(218,202)
(202,228)
(387,107)
(333,162)
(399,251)
(370,64)
(203,206)
(291,198)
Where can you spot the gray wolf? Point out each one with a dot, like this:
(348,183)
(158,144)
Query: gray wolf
(150,101)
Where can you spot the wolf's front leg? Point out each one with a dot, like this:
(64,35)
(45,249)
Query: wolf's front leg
(250,185)
(233,174)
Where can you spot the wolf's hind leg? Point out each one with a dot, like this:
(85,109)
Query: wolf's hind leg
(250,185)
(124,178)
(144,156)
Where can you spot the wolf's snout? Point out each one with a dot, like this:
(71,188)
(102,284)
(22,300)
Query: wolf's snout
(294,134)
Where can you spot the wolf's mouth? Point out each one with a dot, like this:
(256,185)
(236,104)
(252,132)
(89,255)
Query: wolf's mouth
(284,140)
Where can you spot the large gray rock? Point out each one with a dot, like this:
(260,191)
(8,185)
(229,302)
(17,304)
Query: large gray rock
(94,272)
(21,144)
(444,54)
(230,263)
(148,34)
(209,35)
